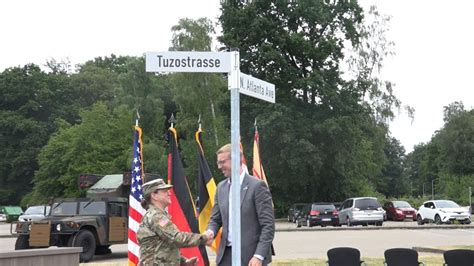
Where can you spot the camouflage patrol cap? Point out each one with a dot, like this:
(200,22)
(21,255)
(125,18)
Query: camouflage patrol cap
(153,185)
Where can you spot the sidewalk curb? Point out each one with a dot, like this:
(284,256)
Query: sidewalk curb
(429,250)
(355,228)
(8,236)
(304,229)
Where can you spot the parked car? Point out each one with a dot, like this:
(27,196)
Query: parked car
(11,212)
(294,211)
(337,205)
(34,213)
(319,213)
(442,211)
(361,210)
(3,217)
(399,210)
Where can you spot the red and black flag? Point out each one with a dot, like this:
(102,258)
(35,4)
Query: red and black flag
(258,171)
(207,191)
(182,209)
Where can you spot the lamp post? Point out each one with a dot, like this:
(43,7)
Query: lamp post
(432,188)
(470,202)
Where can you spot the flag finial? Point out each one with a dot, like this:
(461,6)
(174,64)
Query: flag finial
(199,121)
(138,118)
(172,120)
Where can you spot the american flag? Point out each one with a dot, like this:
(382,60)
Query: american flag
(135,210)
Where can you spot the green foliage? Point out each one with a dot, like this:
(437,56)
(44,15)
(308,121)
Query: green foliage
(100,144)
(192,35)
(322,141)
(457,187)
(446,162)
(326,138)
(142,93)
(392,182)
(197,96)
(31,100)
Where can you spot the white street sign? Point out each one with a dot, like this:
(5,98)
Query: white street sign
(257,88)
(215,62)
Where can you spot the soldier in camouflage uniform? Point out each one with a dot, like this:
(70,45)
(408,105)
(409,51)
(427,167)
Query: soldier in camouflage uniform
(158,237)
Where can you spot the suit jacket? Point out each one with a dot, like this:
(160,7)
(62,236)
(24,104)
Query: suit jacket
(257,219)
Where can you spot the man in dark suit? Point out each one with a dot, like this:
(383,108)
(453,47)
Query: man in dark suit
(257,220)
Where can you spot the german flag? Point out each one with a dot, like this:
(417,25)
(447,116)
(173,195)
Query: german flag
(207,191)
(182,208)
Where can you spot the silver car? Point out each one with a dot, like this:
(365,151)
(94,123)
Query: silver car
(34,213)
(361,210)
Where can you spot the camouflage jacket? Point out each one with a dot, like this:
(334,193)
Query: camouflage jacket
(160,239)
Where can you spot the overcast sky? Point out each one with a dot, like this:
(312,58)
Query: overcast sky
(433,44)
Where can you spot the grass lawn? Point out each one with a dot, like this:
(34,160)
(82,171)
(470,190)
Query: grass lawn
(430,259)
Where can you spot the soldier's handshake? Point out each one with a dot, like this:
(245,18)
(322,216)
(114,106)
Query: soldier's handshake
(210,237)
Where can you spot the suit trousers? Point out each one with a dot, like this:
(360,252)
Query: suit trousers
(226,257)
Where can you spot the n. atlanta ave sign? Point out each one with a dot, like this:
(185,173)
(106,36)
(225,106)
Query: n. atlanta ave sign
(257,88)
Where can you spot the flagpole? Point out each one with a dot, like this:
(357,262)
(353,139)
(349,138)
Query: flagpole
(198,176)
(233,83)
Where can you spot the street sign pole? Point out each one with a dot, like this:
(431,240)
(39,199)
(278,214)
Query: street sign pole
(233,82)
(212,62)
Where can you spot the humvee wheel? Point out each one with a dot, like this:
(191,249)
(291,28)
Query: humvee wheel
(86,240)
(101,250)
(22,242)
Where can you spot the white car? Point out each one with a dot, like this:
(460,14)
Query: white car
(3,217)
(442,211)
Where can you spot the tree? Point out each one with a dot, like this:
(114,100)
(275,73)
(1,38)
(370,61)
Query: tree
(321,140)
(31,100)
(392,182)
(197,96)
(412,169)
(448,157)
(456,140)
(101,143)
(123,81)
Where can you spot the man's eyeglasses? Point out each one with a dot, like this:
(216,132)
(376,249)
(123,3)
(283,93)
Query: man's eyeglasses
(219,163)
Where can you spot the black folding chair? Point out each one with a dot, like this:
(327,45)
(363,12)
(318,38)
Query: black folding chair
(459,257)
(401,257)
(344,256)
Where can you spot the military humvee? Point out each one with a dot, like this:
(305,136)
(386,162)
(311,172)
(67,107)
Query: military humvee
(93,223)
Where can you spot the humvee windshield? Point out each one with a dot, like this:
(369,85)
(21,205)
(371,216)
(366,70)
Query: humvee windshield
(92,208)
(85,208)
(64,208)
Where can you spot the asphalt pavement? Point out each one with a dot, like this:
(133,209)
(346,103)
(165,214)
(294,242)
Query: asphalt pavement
(282,225)
(291,242)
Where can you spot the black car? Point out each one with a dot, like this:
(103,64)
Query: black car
(294,211)
(319,213)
